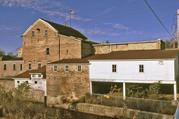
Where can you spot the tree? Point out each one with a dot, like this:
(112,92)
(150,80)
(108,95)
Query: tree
(2,53)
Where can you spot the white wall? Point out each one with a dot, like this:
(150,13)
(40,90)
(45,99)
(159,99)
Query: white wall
(129,70)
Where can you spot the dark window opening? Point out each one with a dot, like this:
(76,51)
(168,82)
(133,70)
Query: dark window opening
(30,66)
(55,68)
(20,67)
(46,33)
(79,67)
(38,30)
(18,82)
(5,67)
(14,67)
(114,68)
(141,68)
(35,82)
(39,75)
(39,66)
(33,33)
(47,51)
(66,68)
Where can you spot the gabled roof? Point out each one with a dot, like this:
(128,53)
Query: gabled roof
(137,54)
(27,73)
(66,30)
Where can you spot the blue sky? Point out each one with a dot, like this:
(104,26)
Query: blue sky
(99,20)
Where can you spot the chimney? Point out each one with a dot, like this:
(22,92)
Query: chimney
(177,37)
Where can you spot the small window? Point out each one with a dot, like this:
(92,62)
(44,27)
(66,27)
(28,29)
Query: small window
(14,67)
(141,68)
(26,82)
(114,68)
(20,67)
(5,67)
(18,82)
(30,66)
(33,33)
(35,82)
(55,68)
(39,65)
(79,68)
(38,30)
(66,68)
(46,33)
(39,75)
(47,51)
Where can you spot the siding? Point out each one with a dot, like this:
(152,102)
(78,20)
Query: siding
(129,70)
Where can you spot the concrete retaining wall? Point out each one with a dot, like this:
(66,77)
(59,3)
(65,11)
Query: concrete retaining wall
(116,112)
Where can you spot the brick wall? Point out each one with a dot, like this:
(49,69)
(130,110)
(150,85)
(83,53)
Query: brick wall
(70,47)
(64,83)
(9,71)
(35,46)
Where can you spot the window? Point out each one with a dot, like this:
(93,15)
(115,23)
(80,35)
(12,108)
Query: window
(20,67)
(39,75)
(18,82)
(5,67)
(47,51)
(66,68)
(38,30)
(30,66)
(39,65)
(46,33)
(79,68)
(14,67)
(33,75)
(141,68)
(35,82)
(33,33)
(114,68)
(55,68)
(26,82)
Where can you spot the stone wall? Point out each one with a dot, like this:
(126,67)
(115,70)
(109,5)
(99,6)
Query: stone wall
(35,46)
(116,112)
(7,84)
(70,47)
(9,72)
(148,45)
(62,82)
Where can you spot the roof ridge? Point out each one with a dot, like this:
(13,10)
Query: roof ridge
(66,30)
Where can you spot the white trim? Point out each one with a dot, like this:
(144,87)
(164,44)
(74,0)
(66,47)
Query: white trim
(108,60)
(39,20)
(134,81)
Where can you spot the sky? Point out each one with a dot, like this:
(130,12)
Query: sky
(99,20)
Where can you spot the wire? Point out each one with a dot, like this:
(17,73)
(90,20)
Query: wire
(158,18)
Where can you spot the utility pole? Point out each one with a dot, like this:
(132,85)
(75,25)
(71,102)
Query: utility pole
(71,13)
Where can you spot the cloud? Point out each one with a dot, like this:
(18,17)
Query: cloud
(120,26)
(48,7)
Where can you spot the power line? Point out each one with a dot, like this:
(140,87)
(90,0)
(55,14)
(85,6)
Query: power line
(159,20)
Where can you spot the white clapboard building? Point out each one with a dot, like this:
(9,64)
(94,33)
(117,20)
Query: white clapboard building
(36,79)
(140,66)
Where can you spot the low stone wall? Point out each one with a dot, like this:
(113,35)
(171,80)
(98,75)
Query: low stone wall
(116,112)
(149,105)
